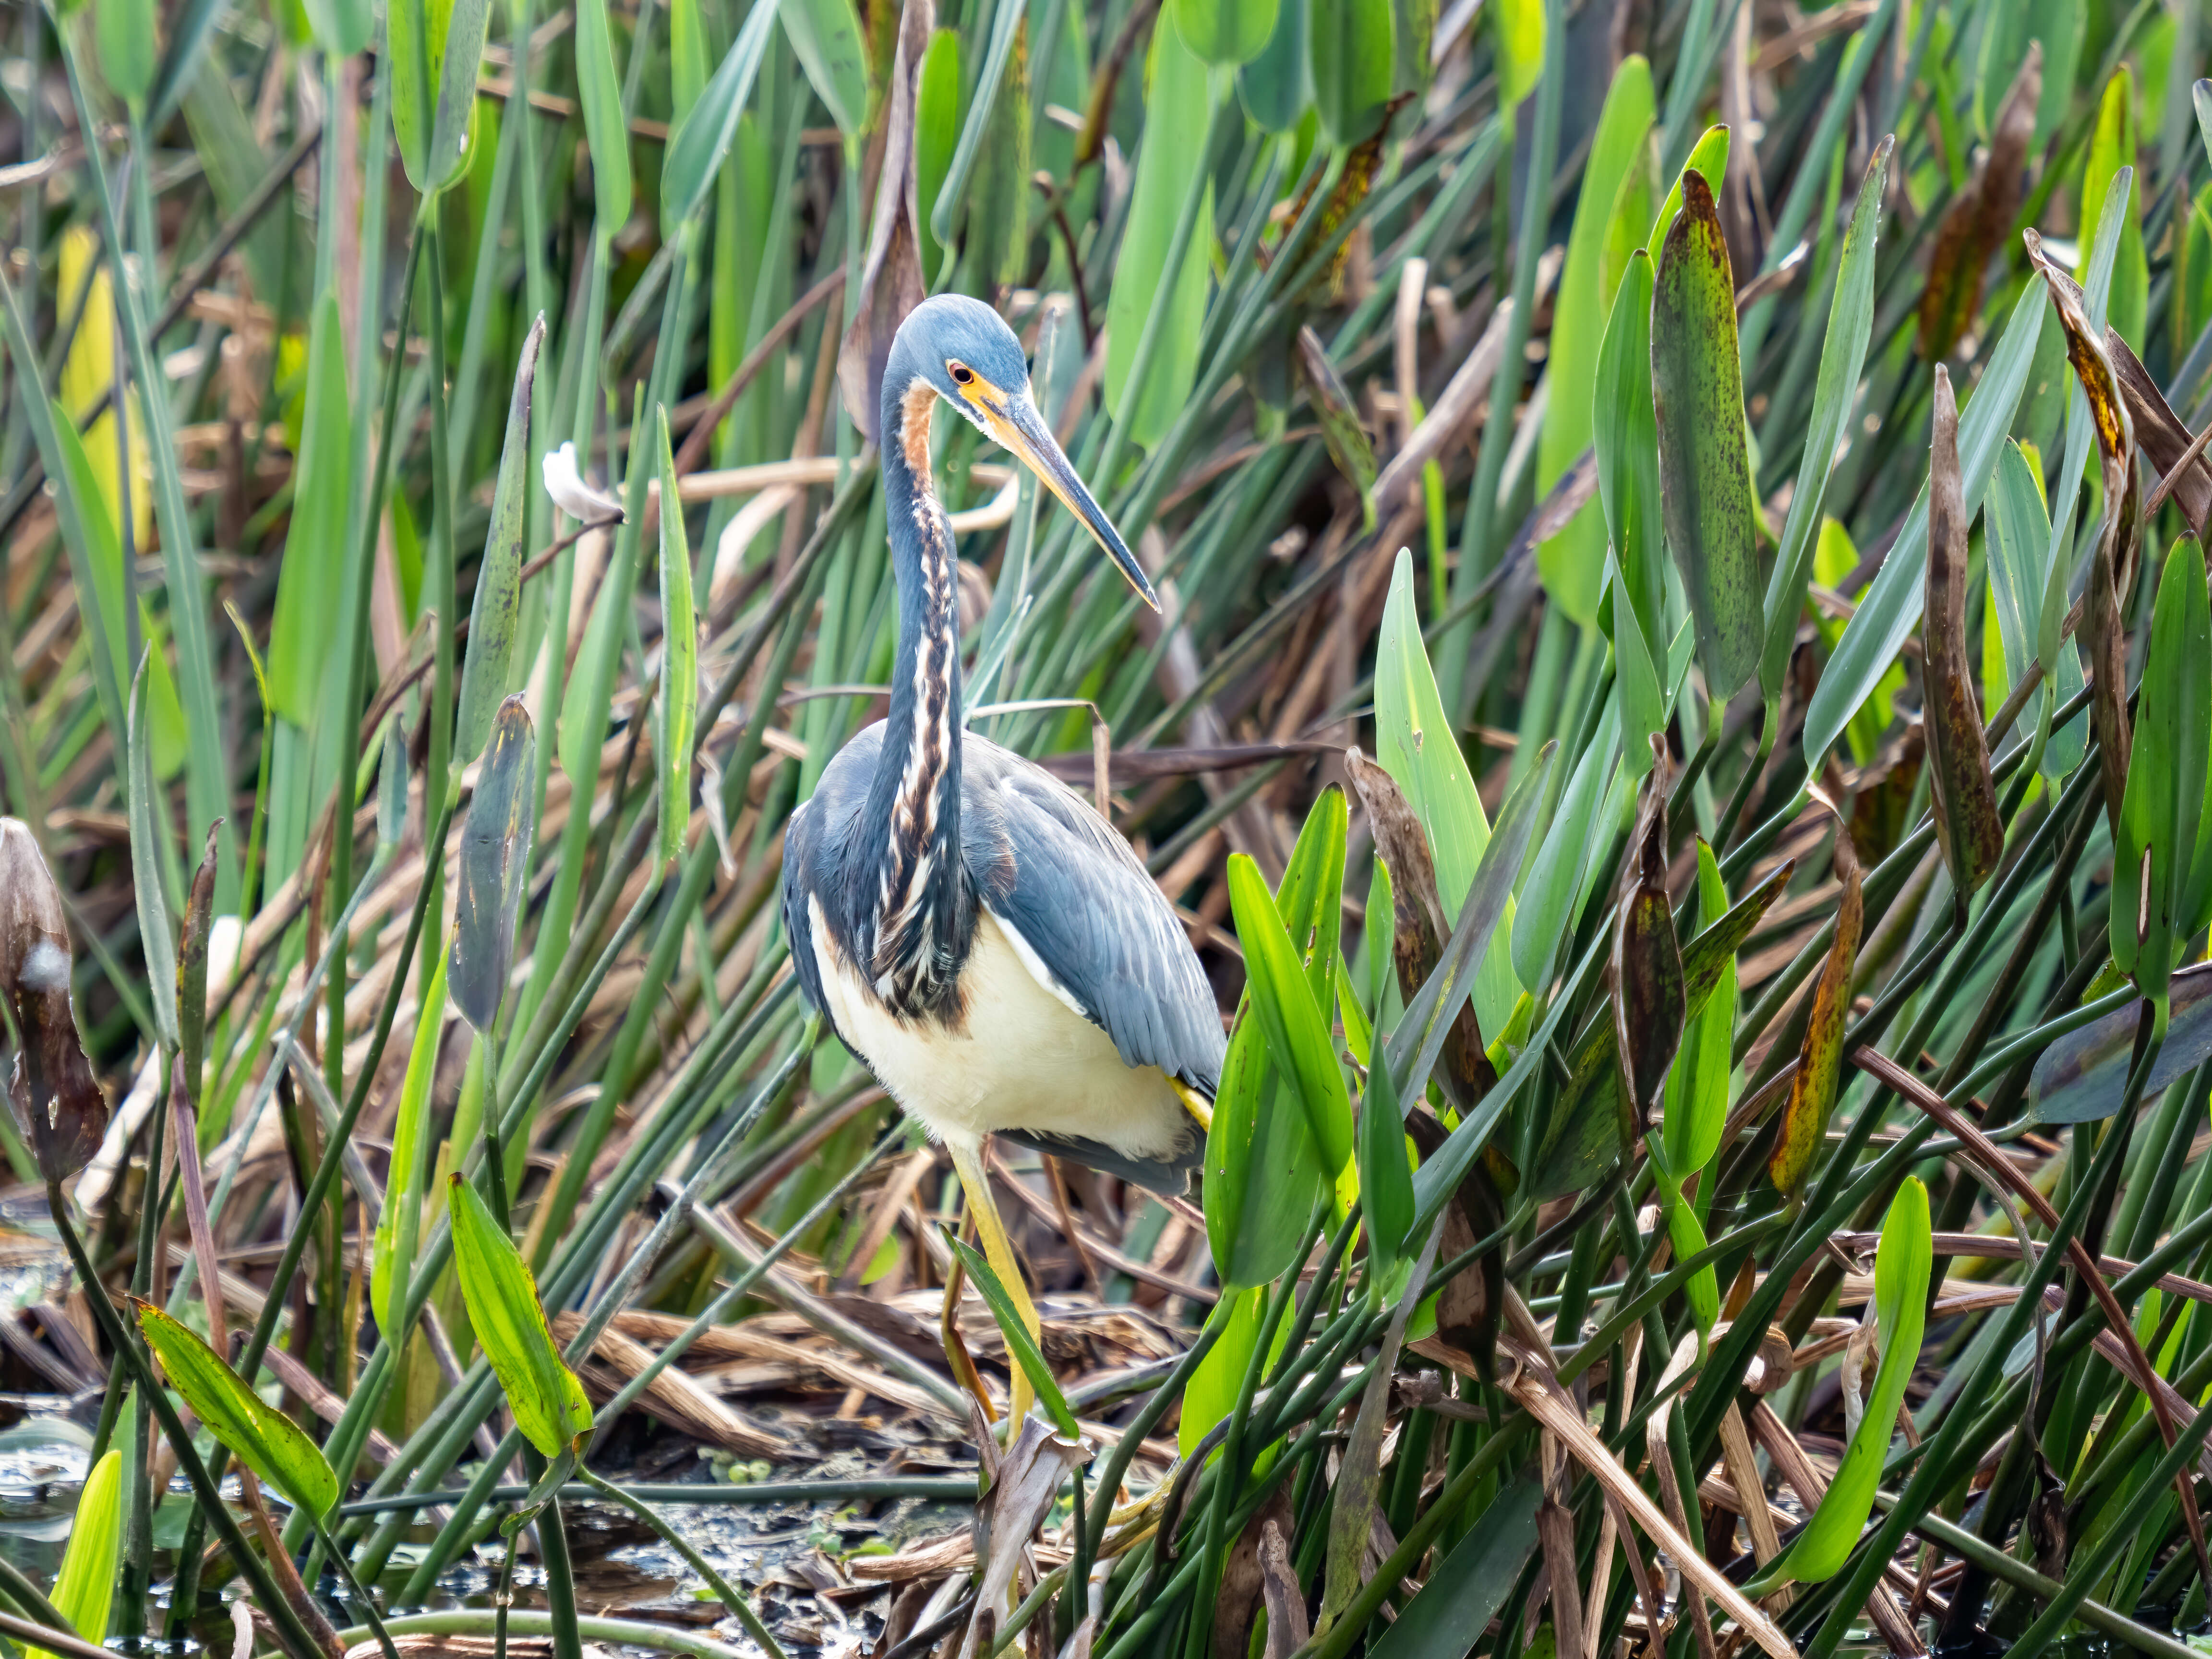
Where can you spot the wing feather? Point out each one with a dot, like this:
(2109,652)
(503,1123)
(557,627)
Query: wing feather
(1073,891)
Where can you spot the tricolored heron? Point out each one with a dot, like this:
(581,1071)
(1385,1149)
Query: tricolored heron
(971,928)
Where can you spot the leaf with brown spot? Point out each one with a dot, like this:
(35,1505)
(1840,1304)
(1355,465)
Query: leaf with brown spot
(1966,821)
(1820,1059)
(1418,930)
(1705,468)
(191,968)
(1650,1004)
(2160,434)
(2111,568)
(57,1104)
(1980,216)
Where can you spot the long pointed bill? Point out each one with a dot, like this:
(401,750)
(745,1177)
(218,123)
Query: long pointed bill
(1022,430)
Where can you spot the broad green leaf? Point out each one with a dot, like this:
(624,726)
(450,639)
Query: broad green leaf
(416,40)
(509,1322)
(936,130)
(2157,834)
(701,139)
(84,1589)
(1842,354)
(1351,47)
(495,866)
(268,1443)
(1546,912)
(1820,1056)
(1902,1263)
(303,636)
(1890,604)
(1170,164)
(1386,1180)
(1001,184)
(1226,31)
(606,130)
(1626,440)
(89,374)
(1520,50)
(488,676)
(1465,1590)
(1263,1173)
(1640,701)
(1275,88)
(1571,562)
(2082,1076)
(2018,532)
(148,822)
(1019,1343)
(1415,743)
(679,662)
(1296,1031)
(826,36)
(1705,468)
(341,28)
(1212,1392)
(127,48)
(1698,1087)
(391,1254)
(2111,146)
(1709,161)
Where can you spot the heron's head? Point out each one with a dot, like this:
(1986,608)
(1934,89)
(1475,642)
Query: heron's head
(962,350)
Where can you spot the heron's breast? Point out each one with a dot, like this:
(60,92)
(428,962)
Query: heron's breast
(1021,1057)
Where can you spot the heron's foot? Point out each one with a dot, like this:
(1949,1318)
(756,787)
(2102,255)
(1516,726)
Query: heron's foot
(1200,1108)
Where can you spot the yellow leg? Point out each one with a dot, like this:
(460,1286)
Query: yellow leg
(999,1250)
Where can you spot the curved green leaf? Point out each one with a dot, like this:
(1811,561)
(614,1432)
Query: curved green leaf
(548,1403)
(702,138)
(84,1589)
(1019,1343)
(826,36)
(1296,1031)
(268,1443)
(1275,86)
(679,662)
(1350,51)
(1227,31)
(495,864)
(606,129)
(392,1252)
(488,674)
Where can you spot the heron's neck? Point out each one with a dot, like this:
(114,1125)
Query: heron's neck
(925,914)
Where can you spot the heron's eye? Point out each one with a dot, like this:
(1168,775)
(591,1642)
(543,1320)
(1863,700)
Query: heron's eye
(961,373)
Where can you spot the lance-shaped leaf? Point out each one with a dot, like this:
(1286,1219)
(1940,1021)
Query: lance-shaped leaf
(1709,161)
(148,821)
(1019,1343)
(1705,468)
(1626,437)
(703,136)
(398,1224)
(1650,1003)
(1275,88)
(268,1443)
(2082,1076)
(1347,439)
(84,1589)
(1902,1263)
(1417,931)
(1386,1183)
(1227,31)
(2018,532)
(2155,841)
(487,675)
(1585,1134)
(1351,44)
(495,864)
(825,34)
(1296,1032)
(509,1320)
(1842,355)
(1821,1057)
(1545,913)
(1465,1591)
(1697,1088)
(2160,434)
(1981,215)
(679,662)
(1263,1172)
(57,1105)
(1966,821)
(605,130)
(2111,566)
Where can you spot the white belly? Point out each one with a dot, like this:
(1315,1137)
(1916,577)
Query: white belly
(1025,1060)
